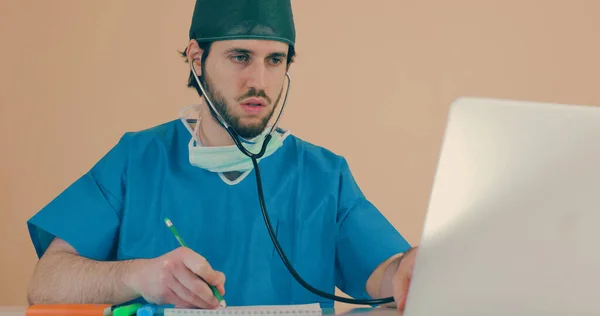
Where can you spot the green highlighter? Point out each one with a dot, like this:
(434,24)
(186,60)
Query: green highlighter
(182,243)
(126,310)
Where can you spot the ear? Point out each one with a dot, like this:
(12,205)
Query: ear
(194,55)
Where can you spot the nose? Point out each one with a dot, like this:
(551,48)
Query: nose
(257,76)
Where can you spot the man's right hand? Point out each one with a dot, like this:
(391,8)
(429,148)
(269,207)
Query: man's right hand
(174,278)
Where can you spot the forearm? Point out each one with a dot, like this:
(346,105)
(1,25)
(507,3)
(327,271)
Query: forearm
(69,278)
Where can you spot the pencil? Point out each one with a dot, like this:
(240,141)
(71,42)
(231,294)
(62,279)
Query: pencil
(182,243)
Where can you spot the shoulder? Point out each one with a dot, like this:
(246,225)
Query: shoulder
(163,134)
(144,149)
(315,156)
(150,141)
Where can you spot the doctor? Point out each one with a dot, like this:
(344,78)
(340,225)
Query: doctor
(103,239)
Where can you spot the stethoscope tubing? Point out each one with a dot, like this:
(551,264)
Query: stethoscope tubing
(236,139)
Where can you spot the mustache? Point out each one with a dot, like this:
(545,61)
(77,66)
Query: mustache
(253,93)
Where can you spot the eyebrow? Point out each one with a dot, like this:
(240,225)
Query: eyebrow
(249,52)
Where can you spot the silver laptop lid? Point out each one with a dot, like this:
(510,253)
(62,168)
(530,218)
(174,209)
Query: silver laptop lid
(513,221)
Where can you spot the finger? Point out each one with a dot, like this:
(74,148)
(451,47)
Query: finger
(401,286)
(201,267)
(221,289)
(187,294)
(220,283)
(404,294)
(404,277)
(171,297)
(188,297)
(169,280)
(166,280)
(195,286)
(174,299)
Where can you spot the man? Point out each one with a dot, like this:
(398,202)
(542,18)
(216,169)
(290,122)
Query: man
(104,239)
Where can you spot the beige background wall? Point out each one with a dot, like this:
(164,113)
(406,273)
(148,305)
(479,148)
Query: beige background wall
(374,78)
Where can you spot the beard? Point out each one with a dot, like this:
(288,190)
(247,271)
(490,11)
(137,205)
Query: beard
(247,131)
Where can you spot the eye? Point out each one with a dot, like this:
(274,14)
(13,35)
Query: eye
(276,61)
(240,58)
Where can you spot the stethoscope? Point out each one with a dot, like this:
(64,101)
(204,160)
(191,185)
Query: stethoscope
(236,139)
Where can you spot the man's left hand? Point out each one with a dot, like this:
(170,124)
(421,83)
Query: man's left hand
(402,278)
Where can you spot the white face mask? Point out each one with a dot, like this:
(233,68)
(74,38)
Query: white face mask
(227,158)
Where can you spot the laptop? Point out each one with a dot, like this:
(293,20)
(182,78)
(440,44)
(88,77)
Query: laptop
(513,223)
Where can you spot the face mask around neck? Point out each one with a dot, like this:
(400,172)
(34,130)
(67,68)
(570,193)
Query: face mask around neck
(227,158)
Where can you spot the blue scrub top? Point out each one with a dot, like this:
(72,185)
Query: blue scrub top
(329,231)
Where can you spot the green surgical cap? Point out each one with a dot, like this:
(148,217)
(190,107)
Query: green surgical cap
(215,20)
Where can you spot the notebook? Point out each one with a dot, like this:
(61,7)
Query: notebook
(302,309)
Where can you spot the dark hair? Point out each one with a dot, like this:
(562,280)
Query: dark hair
(205,46)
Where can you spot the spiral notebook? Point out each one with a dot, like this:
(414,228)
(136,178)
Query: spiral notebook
(303,309)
